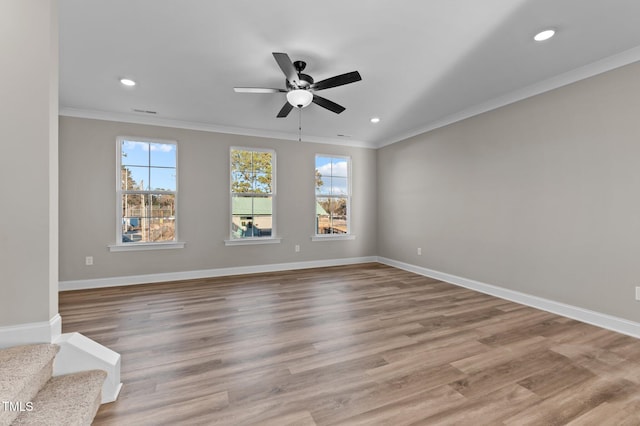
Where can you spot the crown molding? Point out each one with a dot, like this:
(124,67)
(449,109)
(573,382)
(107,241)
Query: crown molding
(607,64)
(204,127)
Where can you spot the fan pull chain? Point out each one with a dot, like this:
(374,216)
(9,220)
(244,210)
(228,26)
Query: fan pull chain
(299,124)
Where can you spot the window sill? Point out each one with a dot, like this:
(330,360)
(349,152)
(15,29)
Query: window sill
(252,241)
(146,246)
(333,237)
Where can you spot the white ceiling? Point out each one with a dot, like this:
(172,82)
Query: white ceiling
(424,63)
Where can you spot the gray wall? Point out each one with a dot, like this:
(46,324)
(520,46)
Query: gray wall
(28,164)
(541,196)
(87,202)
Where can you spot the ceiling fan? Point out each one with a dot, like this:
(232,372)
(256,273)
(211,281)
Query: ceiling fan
(300,87)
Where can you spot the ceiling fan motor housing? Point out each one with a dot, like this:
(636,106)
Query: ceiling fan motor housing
(305,79)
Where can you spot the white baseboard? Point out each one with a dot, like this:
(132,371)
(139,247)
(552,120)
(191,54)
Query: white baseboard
(34,332)
(609,322)
(79,353)
(207,273)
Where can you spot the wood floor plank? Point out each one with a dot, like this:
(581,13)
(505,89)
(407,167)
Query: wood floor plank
(576,401)
(489,409)
(357,345)
(508,372)
(610,413)
(411,410)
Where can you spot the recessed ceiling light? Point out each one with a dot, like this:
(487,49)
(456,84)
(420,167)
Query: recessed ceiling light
(544,35)
(127,82)
(375,120)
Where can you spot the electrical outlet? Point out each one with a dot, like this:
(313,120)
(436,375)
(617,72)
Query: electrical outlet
(297,248)
(419,251)
(637,293)
(88,260)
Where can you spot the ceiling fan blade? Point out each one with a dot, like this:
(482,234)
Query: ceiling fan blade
(287,68)
(326,103)
(257,90)
(286,109)
(338,80)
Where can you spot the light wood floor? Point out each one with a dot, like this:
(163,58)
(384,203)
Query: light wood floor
(354,345)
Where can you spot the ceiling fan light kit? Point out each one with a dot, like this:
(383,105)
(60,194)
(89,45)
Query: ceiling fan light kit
(300,87)
(299,97)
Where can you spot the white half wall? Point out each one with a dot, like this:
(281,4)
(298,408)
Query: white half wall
(79,353)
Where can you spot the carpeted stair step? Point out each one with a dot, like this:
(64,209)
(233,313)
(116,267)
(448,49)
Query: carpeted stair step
(23,371)
(69,400)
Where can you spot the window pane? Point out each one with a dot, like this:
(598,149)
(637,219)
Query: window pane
(241,182)
(134,153)
(127,183)
(326,189)
(133,205)
(238,224)
(339,167)
(162,179)
(339,216)
(323,173)
(163,205)
(323,164)
(162,154)
(161,229)
(241,160)
(323,218)
(133,214)
(262,162)
(251,217)
(131,236)
(148,218)
(135,178)
(331,176)
(331,215)
(251,172)
(323,185)
(339,186)
(262,183)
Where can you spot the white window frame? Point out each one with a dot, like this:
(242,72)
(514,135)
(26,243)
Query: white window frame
(273,239)
(334,237)
(134,246)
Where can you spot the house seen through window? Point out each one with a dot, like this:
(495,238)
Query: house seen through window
(333,194)
(146,191)
(252,193)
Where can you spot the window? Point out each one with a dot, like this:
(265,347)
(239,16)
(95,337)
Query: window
(252,193)
(333,195)
(146,191)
